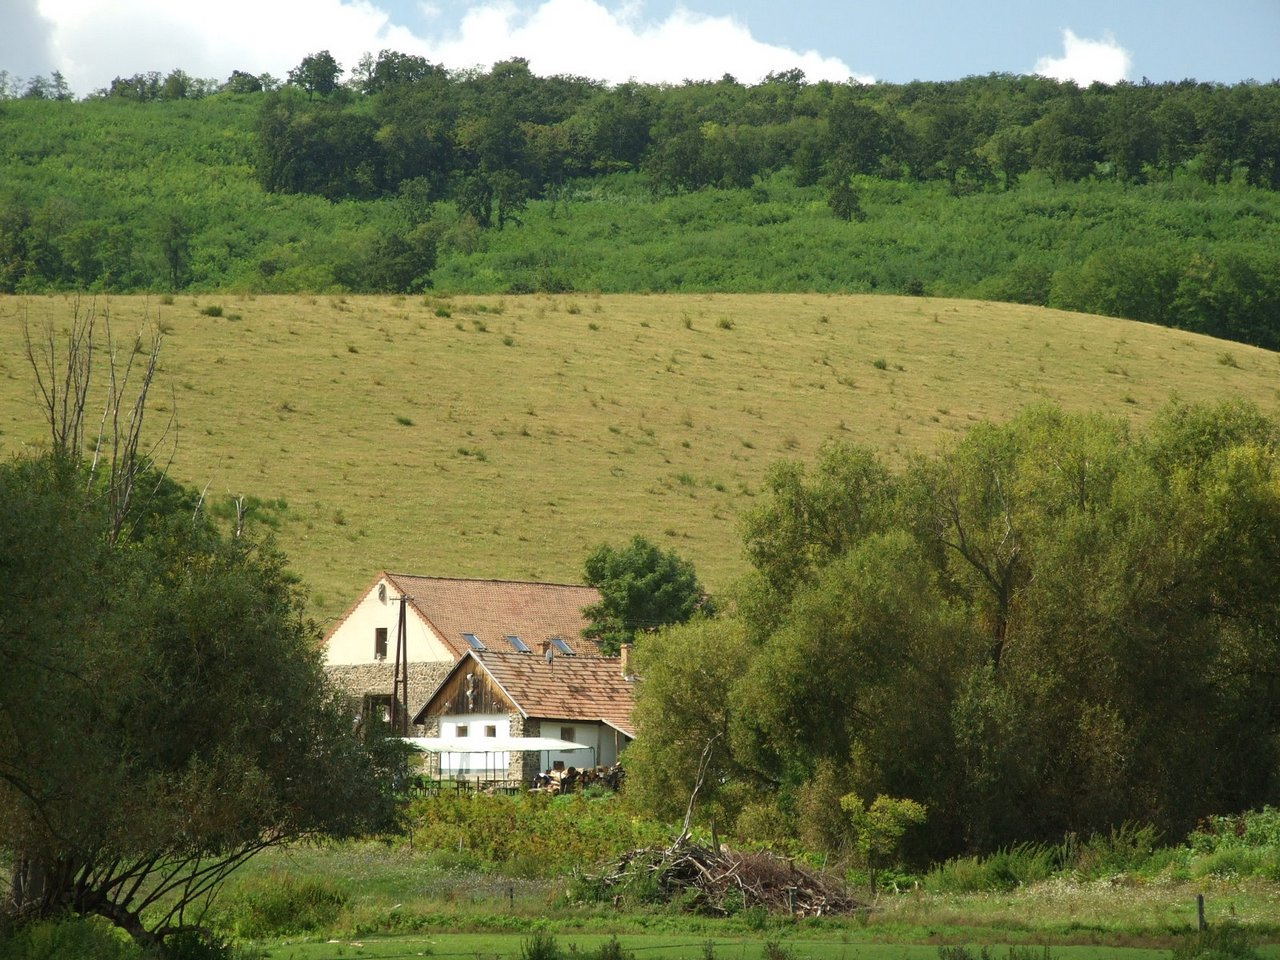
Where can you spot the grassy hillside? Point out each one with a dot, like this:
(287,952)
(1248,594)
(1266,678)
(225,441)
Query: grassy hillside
(508,436)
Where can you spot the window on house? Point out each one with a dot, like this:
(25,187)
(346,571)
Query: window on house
(380,643)
(566,733)
(563,647)
(460,730)
(490,730)
(473,641)
(518,645)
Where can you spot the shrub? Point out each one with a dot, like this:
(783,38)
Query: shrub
(1125,849)
(541,946)
(558,834)
(1004,869)
(1258,828)
(285,907)
(70,939)
(196,946)
(213,310)
(612,950)
(1228,941)
(1233,861)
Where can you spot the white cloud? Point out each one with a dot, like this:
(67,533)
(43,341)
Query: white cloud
(94,41)
(583,37)
(1087,61)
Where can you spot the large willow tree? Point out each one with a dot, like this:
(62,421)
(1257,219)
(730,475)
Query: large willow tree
(1055,625)
(164,714)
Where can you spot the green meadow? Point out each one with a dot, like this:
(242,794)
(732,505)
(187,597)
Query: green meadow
(378,900)
(507,436)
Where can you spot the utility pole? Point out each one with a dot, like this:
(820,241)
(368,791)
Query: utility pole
(400,685)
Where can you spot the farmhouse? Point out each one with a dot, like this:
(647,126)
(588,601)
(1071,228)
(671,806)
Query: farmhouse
(574,710)
(444,619)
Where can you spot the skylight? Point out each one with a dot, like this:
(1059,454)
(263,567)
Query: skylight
(519,645)
(473,641)
(562,646)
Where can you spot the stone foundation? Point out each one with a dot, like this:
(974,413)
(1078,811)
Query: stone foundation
(359,680)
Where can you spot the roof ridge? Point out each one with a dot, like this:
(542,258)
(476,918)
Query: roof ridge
(541,583)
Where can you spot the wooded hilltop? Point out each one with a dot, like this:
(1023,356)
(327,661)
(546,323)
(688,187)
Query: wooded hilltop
(1155,202)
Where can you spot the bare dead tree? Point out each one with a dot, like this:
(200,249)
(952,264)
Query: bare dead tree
(121,431)
(64,370)
(63,381)
(703,762)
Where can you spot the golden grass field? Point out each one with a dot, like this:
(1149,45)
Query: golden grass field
(508,436)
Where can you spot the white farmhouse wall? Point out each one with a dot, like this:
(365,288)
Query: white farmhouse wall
(353,641)
(600,738)
(477,731)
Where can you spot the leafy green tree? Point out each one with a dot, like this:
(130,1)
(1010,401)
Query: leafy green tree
(880,827)
(619,122)
(683,715)
(396,69)
(187,720)
(1079,619)
(1128,133)
(1006,153)
(809,518)
(1063,143)
(173,233)
(317,73)
(1232,293)
(857,134)
(1138,283)
(398,260)
(842,198)
(242,82)
(642,588)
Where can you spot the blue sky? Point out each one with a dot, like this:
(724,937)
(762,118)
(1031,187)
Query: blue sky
(92,41)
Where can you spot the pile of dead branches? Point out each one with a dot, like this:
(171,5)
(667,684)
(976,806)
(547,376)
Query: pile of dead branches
(723,882)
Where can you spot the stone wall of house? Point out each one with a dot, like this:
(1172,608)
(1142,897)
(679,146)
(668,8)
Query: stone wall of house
(523,765)
(359,680)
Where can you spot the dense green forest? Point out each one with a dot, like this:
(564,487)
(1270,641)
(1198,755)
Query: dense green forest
(1055,627)
(1156,202)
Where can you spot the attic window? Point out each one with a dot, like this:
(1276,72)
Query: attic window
(460,730)
(473,641)
(490,729)
(380,643)
(560,645)
(519,645)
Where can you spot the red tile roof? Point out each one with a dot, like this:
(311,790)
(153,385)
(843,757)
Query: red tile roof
(496,609)
(563,688)
(492,610)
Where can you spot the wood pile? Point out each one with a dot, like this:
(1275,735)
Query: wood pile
(725,881)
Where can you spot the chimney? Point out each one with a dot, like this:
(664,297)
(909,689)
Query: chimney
(625,655)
